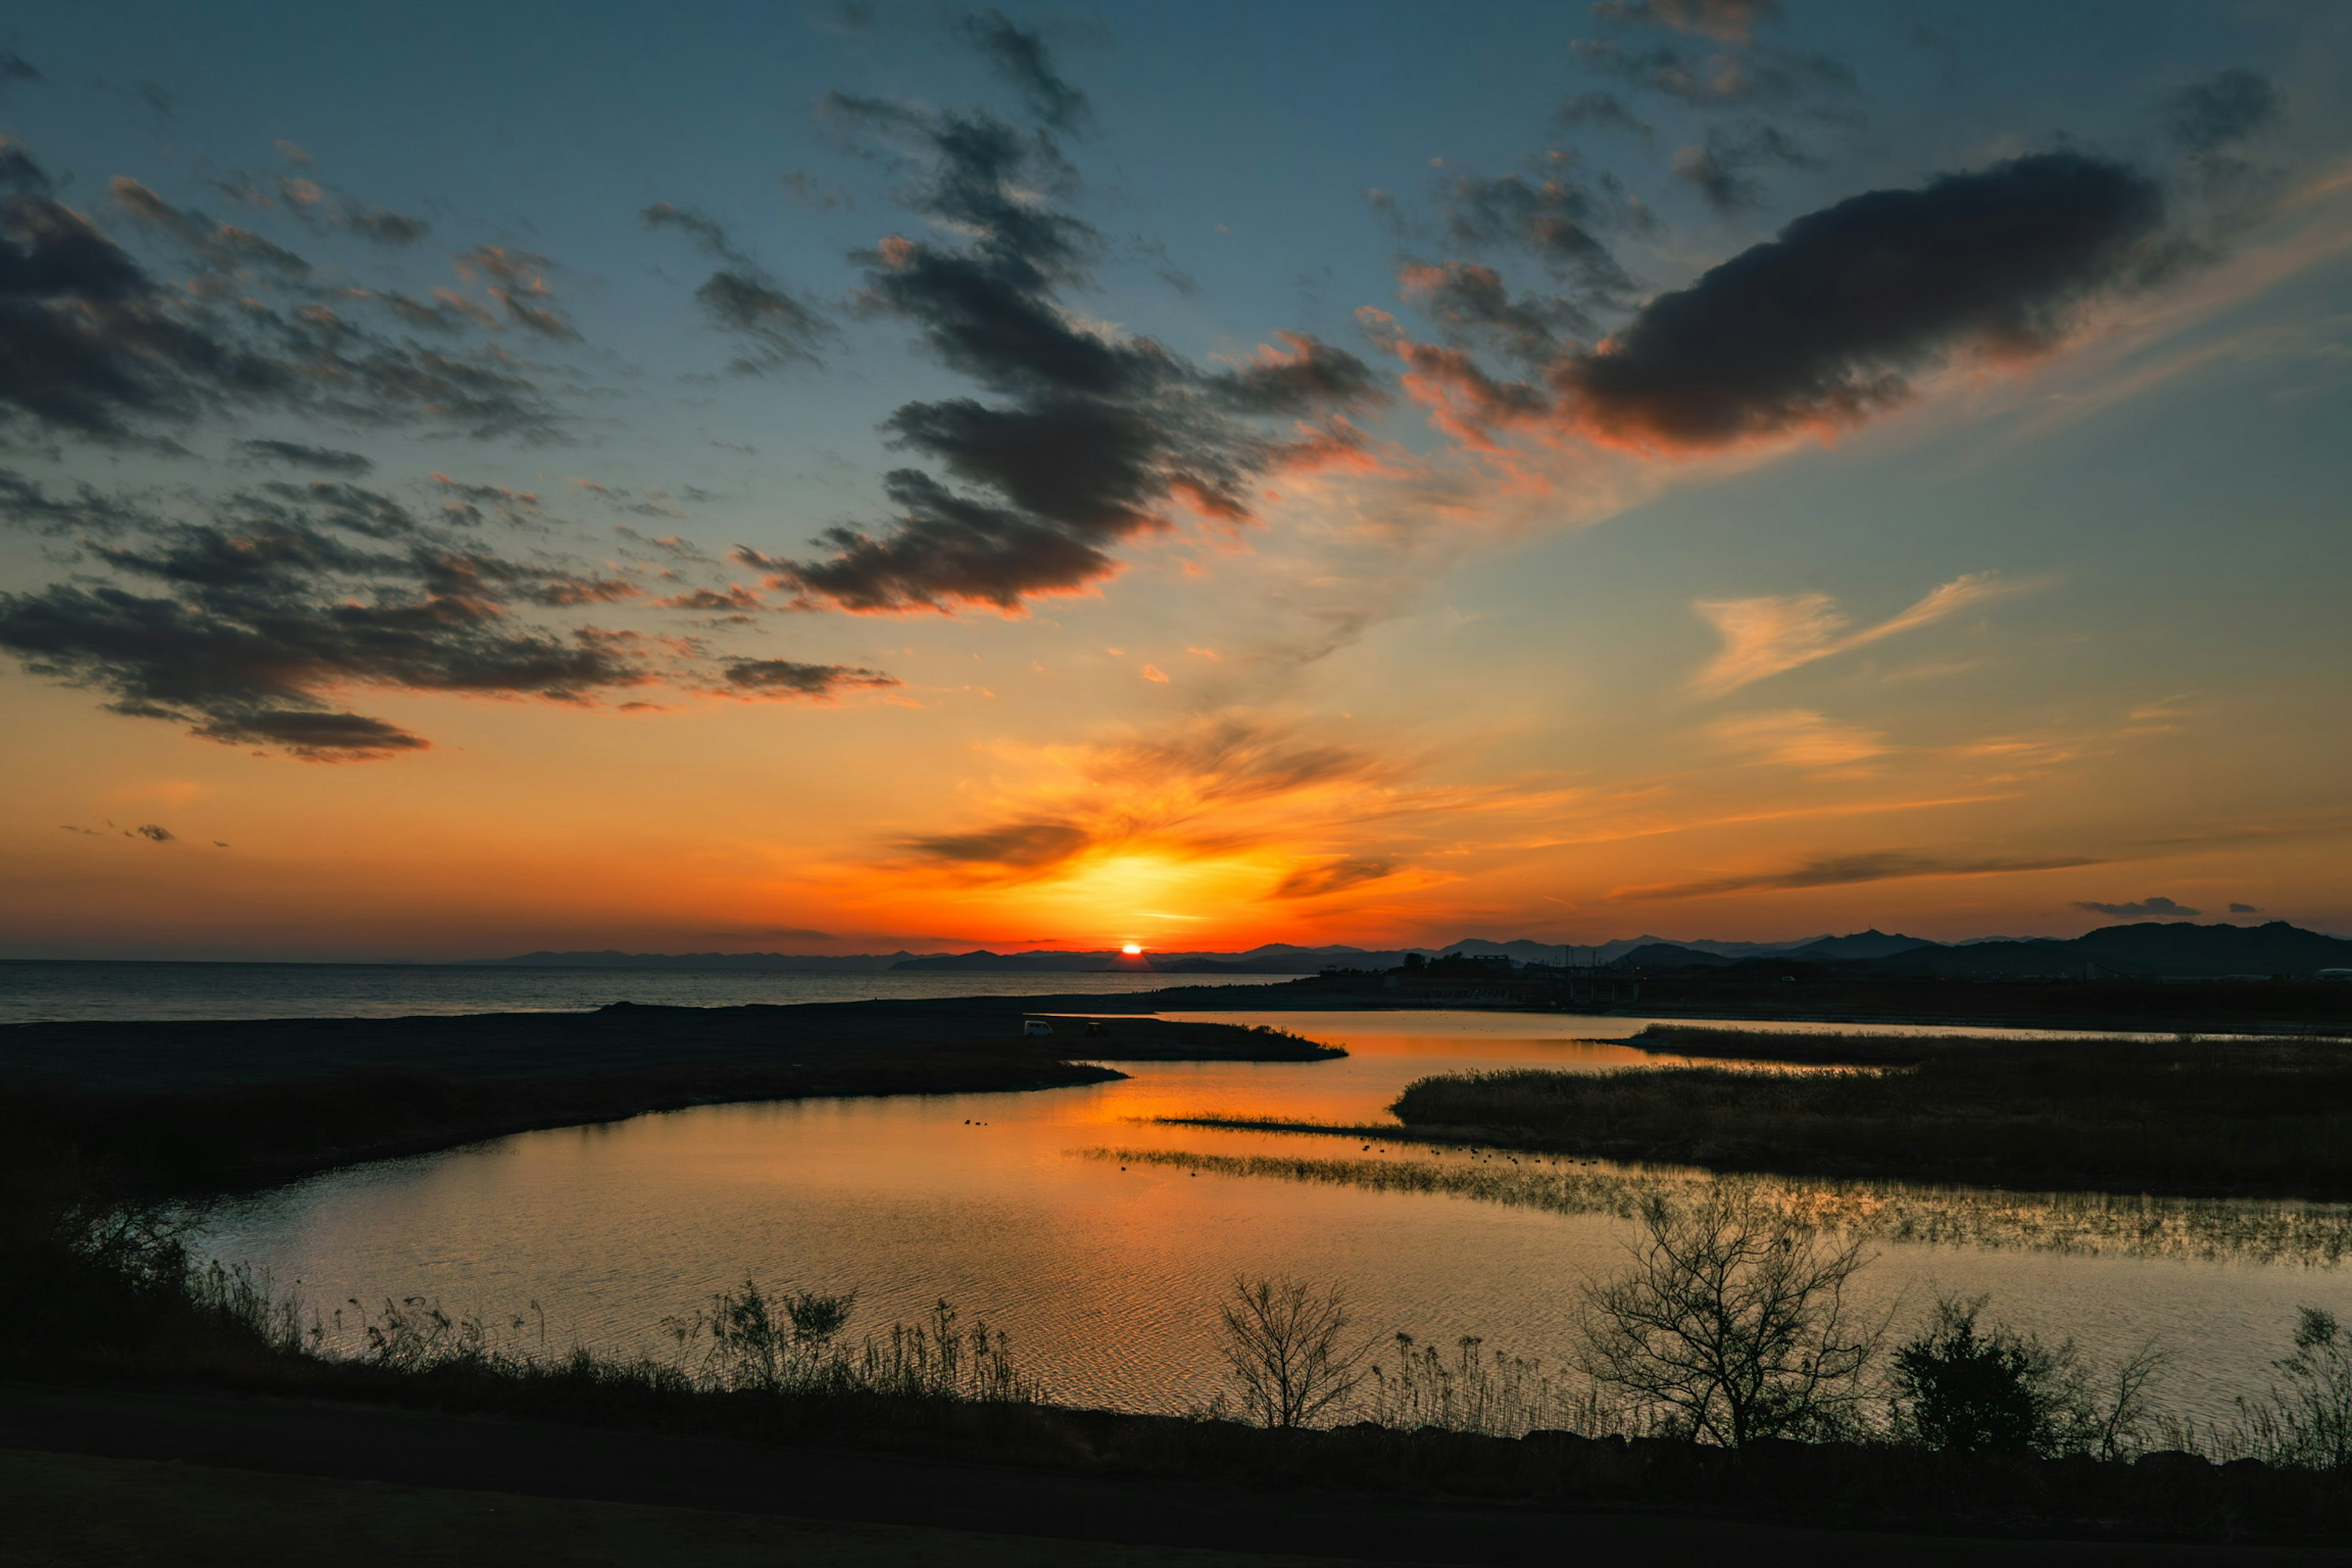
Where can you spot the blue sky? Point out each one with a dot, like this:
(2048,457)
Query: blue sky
(2045,619)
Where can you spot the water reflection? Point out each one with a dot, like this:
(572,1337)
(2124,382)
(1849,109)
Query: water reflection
(1106,1276)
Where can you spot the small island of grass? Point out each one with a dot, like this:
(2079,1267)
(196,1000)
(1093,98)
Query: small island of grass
(2187,1116)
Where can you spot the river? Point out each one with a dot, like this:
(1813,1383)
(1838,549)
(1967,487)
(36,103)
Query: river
(1106,1272)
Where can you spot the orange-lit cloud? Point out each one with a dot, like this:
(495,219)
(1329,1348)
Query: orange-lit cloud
(1766,636)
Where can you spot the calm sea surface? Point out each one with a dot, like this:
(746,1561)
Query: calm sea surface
(1107,1272)
(36,990)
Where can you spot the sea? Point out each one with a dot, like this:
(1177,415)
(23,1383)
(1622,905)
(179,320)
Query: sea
(44,990)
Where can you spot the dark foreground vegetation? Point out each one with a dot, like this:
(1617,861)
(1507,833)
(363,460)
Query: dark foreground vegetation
(97,1299)
(2186,1116)
(172,1109)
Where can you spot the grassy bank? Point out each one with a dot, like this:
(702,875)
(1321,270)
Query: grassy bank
(2269,1117)
(891,1398)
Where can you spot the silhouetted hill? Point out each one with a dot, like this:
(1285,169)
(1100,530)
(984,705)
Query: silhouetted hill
(1670,955)
(1871,944)
(2176,950)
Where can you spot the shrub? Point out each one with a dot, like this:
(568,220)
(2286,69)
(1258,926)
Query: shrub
(1732,1325)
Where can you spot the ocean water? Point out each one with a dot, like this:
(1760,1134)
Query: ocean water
(36,991)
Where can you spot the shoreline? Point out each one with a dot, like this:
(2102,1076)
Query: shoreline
(185,1109)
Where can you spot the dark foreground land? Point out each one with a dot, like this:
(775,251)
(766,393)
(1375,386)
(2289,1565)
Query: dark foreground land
(264,1479)
(2189,1117)
(205,1107)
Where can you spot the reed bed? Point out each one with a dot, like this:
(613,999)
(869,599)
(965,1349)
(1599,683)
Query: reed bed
(2082,1224)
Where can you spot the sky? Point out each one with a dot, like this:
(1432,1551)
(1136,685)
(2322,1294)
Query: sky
(844,478)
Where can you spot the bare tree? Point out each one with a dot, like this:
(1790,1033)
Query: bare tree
(1732,1325)
(1288,1350)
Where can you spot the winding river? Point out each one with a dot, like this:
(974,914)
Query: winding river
(1100,1238)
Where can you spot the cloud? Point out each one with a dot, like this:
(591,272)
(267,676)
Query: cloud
(296,455)
(741,298)
(1017,847)
(1718,167)
(1553,216)
(1021,59)
(250,625)
(2245,909)
(1712,80)
(154,832)
(2223,110)
(99,350)
(15,66)
(1763,636)
(1153,672)
(1472,301)
(1796,737)
(1203,788)
(1727,21)
(782,678)
(27,504)
(518,281)
(20,173)
(1847,870)
(1819,328)
(2141,908)
(1604,110)
(221,246)
(1333,875)
(1093,438)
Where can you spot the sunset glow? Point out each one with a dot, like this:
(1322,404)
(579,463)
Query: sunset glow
(927,492)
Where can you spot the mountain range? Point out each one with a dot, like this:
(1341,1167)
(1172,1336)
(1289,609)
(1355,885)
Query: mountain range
(2145,949)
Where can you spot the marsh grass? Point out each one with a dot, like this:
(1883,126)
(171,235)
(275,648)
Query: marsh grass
(1478,1389)
(2269,1117)
(2086,1223)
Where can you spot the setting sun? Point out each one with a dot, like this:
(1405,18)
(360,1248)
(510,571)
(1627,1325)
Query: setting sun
(1132,949)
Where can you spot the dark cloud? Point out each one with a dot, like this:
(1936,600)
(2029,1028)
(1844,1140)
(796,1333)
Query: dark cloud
(322,209)
(1472,302)
(1727,21)
(296,455)
(1604,110)
(1718,166)
(1820,326)
(2141,908)
(470,503)
(15,66)
(20,173)
(25,503)
(1848,870)
(1554,217)
(2245,909)
(1092,437)
(1032,847)
(1021,59)
(1331,876)
(2223,110)
(781,678)
(154,832)
(222,247)
(250,624)
(99,350)
(743,299)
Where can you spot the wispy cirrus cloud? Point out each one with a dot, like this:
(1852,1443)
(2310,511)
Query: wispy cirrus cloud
(1765,636)
(1848,870)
